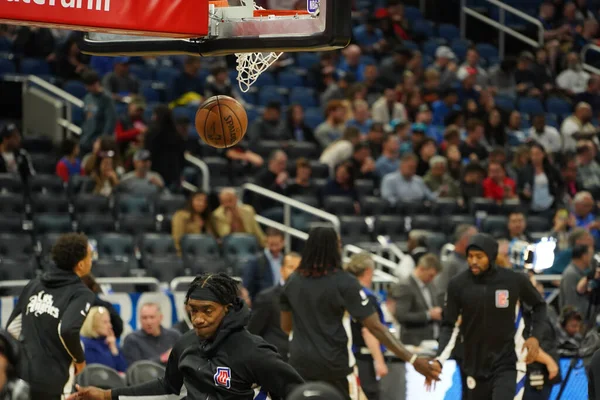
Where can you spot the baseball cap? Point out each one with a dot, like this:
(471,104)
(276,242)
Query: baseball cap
(419,127)
(445,52)
(7,130)
(142,155)
(315,391)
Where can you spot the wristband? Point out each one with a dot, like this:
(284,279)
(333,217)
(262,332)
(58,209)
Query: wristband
(413,359)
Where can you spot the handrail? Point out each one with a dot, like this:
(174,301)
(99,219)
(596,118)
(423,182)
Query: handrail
(203,169)
(501,25)
(287,204)
(71,127)
(281,227)
(586,66)
(293,203)
(56,91)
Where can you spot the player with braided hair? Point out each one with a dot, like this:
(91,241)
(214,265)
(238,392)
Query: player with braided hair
(217,360)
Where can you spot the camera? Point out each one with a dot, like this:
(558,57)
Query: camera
(532,256)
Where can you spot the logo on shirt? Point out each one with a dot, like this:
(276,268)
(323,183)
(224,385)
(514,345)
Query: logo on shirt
(223,377)
(501,298)
(363,296)
(42,303)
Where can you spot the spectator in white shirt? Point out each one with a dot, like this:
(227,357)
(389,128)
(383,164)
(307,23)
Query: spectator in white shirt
(340,150)
(577,123)
(545,135)
(388,108)
(573,79)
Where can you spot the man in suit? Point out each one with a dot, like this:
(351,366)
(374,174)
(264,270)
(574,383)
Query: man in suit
(263,271)
(231,217)
(415,303)
(265,318)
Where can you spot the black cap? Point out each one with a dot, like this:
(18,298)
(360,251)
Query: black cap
(7,130)
(315,391)
(142,155)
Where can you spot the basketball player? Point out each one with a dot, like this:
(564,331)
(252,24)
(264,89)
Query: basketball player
(486,296)
(316,301)
(48,317)
(217,360)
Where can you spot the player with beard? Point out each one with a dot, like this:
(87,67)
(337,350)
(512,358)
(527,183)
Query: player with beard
(218,359)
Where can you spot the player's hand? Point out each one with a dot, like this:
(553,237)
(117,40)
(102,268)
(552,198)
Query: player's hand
(90,393)
(533,348)
(430,370)
(552,368)
(79,367)
(381,369)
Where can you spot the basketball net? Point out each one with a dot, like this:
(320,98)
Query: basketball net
(251,65)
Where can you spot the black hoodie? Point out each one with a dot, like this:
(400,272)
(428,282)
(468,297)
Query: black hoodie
(226,367)
(47,320)
(487,303)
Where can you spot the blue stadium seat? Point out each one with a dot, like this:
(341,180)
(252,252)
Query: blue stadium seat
(150,94)
(253,113)
(141,71)
(75,88)
(506,103)
(307,60)
(525,122)
(240,245)
(52,223)
(265,79)
(35,66)
(7,67)
(423,28)
(529,105)
(368,60)
(460,47)
(412,13)
(78,116)
(157,245)
(448,32)
(409,44)
(115,246)
(557,105)
(304,96)
(5,45)
(200,253)
(269,94)
(249,96)
(430,46)
(166,75)
(552,120)
(487,50)
(203,74)
(313,117)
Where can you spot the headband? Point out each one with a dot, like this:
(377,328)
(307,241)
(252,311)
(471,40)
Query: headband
(204,294)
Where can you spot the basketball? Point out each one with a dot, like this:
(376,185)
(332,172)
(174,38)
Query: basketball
(221,121)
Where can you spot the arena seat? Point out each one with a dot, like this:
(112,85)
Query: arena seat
(319,170)
(7,67)
(46,183)
(390,225)
(141,72)
(92,223)
(506,103)
(134,224)
(313,117)
(76,88)
(354,230)
(167,205)
(16,246)
(530,105)
(309,200)
(435,241)
(239,245)
(373,205)
(307,60)
(448,32)
(265,79)
(431,45)
(450,222)
(11,203)
(425,222)
(495,225)
(115,246)
(132,204)
(339,205)
(164,269)
(264,148)
(307,150)
(157,245)
(196,245)
(52,223)
(166,75)
(11,223)
(510,205)
(410,45)
(43,163)
(86,203)
(269,94)
(10,183)
(144,371)
(80,184)
(219,171)
(412,13)
(364,187)
(101,377)
(559,106)
(487,50)
(304,96)
(289,80)
(483,204)
(412,208)
(22,269)
(46,202)
(536,223)
(422,28)
(444,206)
(34,66)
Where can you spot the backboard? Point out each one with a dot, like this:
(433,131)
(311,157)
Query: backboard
(237,29)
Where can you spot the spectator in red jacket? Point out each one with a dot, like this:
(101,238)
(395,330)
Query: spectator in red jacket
(70,163)
(497,185)
(131,125)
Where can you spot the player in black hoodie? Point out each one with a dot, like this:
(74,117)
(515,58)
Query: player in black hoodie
(217,360)
(485,297)
(48,317)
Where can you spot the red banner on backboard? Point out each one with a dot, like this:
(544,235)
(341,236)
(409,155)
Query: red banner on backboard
(168,18)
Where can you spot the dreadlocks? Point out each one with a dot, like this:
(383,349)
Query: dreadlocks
(321,253)
(224,287)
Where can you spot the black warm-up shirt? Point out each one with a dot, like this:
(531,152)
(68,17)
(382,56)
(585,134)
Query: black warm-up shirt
(322,309)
